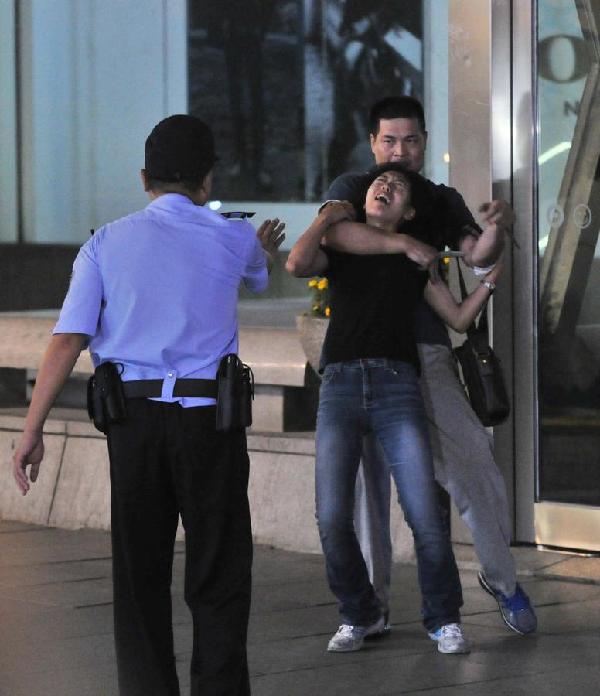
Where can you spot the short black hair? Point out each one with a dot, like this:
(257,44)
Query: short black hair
(421,197)
(396,107)
(180,149)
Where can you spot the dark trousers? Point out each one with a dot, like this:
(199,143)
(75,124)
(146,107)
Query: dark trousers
(166,460)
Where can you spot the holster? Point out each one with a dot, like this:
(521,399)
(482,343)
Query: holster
(235,391)
(106,401)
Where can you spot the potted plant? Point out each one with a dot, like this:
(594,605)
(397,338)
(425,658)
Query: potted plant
(312,325)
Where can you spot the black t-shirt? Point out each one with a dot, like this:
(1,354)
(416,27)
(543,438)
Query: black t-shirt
(450,221)
(372,300)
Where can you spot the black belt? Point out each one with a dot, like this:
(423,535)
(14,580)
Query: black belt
(138,388)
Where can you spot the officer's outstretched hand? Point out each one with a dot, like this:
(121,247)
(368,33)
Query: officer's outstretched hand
(30,452)
(270,234)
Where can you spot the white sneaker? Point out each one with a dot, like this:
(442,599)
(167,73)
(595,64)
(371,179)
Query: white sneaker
(351,638)
(450,639)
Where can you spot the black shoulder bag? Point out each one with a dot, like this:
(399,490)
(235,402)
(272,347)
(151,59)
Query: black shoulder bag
(482,370)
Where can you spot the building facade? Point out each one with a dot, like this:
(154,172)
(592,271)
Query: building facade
(513,105)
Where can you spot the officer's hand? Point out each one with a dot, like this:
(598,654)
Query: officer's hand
(270,235)
(30,452)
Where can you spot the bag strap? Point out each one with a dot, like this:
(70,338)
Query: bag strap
(481,326)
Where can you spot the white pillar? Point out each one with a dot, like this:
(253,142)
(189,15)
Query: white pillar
(435,58)
(96,76)
(8,125)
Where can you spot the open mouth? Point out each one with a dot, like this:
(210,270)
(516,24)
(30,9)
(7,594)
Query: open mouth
(382,198)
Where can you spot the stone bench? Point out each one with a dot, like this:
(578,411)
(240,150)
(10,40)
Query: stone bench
(286,390)
(73,488)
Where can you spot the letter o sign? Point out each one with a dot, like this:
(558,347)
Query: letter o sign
(562,58)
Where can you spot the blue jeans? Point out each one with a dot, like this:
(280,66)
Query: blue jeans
(383,397)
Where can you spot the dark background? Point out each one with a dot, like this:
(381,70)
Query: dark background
(248,60)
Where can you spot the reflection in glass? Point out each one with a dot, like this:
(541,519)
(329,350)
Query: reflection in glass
(287,85)
(569,220)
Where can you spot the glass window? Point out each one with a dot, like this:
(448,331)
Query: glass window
(79,98)
(569,253)
(288,86)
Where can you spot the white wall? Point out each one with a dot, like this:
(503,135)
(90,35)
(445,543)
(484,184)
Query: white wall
(435,55)
(95,77)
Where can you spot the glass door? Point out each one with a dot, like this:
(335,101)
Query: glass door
(567,510)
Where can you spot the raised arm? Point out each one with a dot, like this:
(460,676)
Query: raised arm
(459,316)
(271,236)
(483,251)
(363,239)
(306,258)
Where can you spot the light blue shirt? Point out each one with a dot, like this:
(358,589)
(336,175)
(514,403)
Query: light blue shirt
(157,291)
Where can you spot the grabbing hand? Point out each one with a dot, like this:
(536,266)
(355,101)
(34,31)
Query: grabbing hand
(419,252)
(30,452)
(500,214)
(336,211)
(497,212)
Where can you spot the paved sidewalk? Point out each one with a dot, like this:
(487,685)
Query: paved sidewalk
(56,627)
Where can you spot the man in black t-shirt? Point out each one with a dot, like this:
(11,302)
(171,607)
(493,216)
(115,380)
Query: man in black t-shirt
(462,452)
(370,385)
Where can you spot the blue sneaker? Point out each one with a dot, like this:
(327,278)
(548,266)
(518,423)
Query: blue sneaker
(517,612)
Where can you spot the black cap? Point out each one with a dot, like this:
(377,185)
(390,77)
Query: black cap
(180,147)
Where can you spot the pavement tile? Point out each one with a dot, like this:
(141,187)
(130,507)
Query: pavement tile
(63,680)
(399,672)
(42,545)
(67,594)
(575,568)
(26,576)
(549,682)
(56,628)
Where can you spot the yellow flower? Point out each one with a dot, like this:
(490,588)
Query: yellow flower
(446,260)
(319,300)
(327,311)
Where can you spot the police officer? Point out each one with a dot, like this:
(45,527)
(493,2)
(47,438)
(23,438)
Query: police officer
(155,293)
